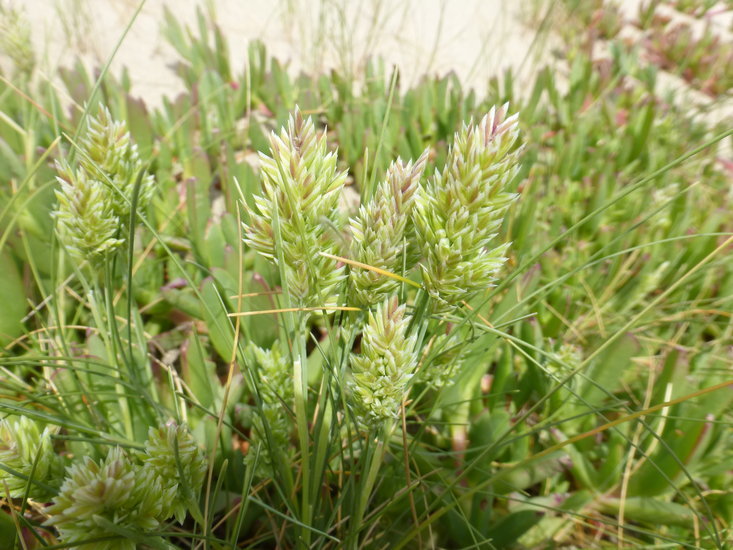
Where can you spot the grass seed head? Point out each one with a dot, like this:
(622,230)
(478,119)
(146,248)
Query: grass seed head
(461,210)
(271,425)
(451,351)
(23,444)
(85,220)
(109,155)
(301,186)
(171,455)
(381,372)
(94,200)
(382,230)
(114,492)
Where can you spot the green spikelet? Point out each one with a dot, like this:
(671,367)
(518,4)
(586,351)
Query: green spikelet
(109,155)
(271,425)
(274,374)
(381,372)
(381,232)
(100,500)
(448,352)
(15,39)
(269,439)
(301,187)
(85,221)
(94,201)
(459,213)
(171,455)
(23,444)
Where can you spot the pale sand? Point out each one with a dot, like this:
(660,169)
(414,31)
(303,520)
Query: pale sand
(475,38)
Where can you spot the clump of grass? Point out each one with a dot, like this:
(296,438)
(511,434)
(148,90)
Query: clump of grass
(341,386)
(300,209)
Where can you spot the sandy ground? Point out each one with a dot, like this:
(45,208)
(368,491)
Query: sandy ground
(474,38)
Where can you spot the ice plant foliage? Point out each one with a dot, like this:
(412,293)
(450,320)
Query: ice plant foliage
(94,200)
(461,209)
(301,186)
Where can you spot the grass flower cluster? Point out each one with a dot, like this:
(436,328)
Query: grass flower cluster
(443,358)
(115,502)
(382,233)
(451,222)
(94,200)
(99,501)
(459,214)
(29,463)
(381,372)
(271,423)
(85,220)
(15,39)
(172,456)
(108,154)
(442,230)
(294,216)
